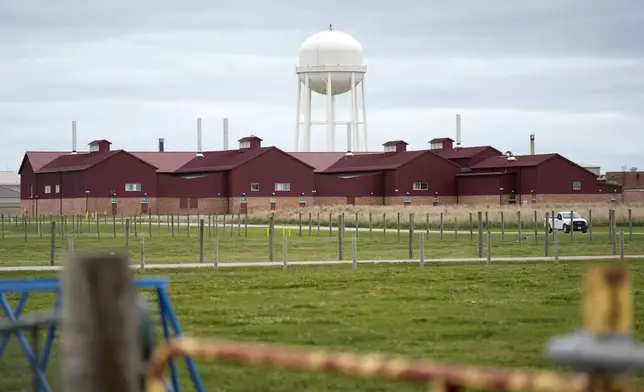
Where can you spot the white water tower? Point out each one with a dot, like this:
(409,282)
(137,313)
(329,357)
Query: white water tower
(330,64)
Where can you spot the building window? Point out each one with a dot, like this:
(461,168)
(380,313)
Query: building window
(576,185)
(420,186)
(302,199)
(283,187)
(93,147)
(273,199)
(612,182)
(132,187)
(244,199)
(436,146)
(144,200)
(47,188)
(254,187)
(613,197)
(113,199)
(57,188)
(244,144)
(390,148)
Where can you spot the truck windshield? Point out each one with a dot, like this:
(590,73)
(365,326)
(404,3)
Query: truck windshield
(574,214)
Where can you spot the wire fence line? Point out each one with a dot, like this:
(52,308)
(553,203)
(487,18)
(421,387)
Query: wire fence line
(235,240)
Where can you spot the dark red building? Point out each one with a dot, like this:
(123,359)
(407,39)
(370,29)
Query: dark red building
(393,177)
(87,181)
(525,179)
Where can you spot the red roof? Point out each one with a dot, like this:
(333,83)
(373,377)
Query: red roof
(465,152)
(321,161)
(484,174)
(394,142)
(521,161)
(213,161)
(38,159)
(249,138)
(440,140)
(166,161)
(99,141)
(81,161)
(374,162)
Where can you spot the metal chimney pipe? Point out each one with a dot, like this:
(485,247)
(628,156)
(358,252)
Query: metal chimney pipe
(225,133)
(161,144)
(532,144)
(74,137)
(199,151)
(458,130)
(348,137)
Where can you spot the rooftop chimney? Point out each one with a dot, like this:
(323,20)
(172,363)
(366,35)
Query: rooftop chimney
(225,133)
(532,144)
(199,152)
(458,130)
(74,137)
(161,144)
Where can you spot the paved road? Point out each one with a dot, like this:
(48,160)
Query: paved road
(332,262)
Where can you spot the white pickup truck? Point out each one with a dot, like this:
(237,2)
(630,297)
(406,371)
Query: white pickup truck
(562,222)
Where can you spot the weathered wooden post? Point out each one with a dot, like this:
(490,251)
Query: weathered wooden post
(100,344)
(547,237)
(572,226)
(271,233)
(310,224)
(471,228)
(590,225)
(421,249)
(502,226)
(480,227)
(300,225)
(52,243)
(630,225)
(441,225)
(201,244)
(398,235)
(536,232)
(355,250)
(340,236)
(411,235)
(127,236)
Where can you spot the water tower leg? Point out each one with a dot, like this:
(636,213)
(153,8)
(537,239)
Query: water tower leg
(329,112)
(354,118)
(364,114)
(297,116)
(307,115)
(334,124)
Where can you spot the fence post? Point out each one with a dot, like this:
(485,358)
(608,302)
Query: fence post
(340,236)
(547,237)
(24,225)
(300,225)
(127,236)
(621,244)
(489,247)
(330,225)
(556,233)
(536,232)
(216,250)
(2,226)
(246,224)
(142,253)
(630,225)
(284,252)
(384,225)
(441,225)
(101,347)
(355,251)
(310,224)
(52,243)
(398,227)
(427,224)
(172,223)
(201,224)
(590,225)
(502,226)
(519,236)
(370,222)
(318,222)
(614,233)
(471,228)
(357,224)
(411,235)
(421,249)
(572,226)
(271,232)
(480,227)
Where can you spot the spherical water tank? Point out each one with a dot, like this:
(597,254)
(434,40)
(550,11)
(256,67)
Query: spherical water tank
(328,49)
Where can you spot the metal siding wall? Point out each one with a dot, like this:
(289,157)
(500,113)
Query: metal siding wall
(556,176)
(438,173)
(118,170)
(269,168)
(171,185)
(330,185)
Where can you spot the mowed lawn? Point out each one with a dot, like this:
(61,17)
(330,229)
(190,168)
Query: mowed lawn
(496,315)
(252,244)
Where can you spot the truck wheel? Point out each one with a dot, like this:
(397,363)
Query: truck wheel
(549,229)
(584,230)
(566,229)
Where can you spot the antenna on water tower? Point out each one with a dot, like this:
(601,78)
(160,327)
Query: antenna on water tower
(331,64)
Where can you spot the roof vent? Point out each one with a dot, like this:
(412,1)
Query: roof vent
(510,156)
(348,154)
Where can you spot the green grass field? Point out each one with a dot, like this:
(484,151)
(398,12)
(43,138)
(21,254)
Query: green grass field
(252,244)
(498,315)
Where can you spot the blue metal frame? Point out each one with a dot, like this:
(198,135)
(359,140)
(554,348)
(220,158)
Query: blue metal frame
(169,322)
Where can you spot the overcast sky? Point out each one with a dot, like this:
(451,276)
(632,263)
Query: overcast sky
(569,71)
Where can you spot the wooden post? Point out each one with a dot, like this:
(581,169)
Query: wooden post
(216,249)
(142,253)
(52,243)
(357,225)
(421,249)
(114,224)
(149,225)
(621,244)
(480,227)
(427,224)
(370,222)
(209,222)
(630,225)
(502,226)
(100,345)
(127,236)
(536,233)
(441,225)
(98,229)
(355,250)
(284,252)
(201,224)
(271,233)
(590,225)
(24,225)
(614,231)
(239,224)
(136,230)
(398,227)
(572,226)
(340,236)
(547,237)
(317,220)
(556,233)
(300,225)
(172,223)
(471,228)
(384,225)
(411,235)
(246,224)
(519,236)
(310,224)
(330,225)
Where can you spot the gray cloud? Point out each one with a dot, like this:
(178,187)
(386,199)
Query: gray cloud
(570,71)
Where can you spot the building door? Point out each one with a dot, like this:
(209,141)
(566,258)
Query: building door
(114,209)
(351,200)
(144,204)
(244,208)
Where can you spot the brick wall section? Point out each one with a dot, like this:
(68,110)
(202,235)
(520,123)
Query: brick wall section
(76,206)
(172,205)
(419,200)
(255,204)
